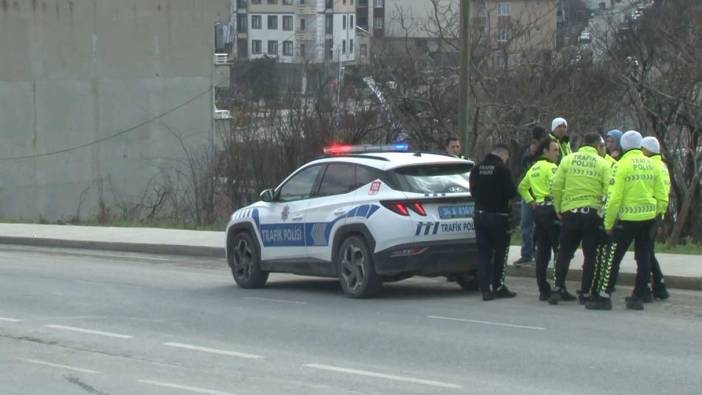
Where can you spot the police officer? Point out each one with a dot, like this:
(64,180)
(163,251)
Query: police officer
(578,190)
(652,149)
(453,147)
(559,128)
(535,190)
(492,188)
(634,197)
(614,151)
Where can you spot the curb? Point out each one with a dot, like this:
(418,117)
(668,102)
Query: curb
(678,282)
(160,249)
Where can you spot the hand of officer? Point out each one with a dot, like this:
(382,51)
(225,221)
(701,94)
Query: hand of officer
(610,232)
(559,216)
(533,205)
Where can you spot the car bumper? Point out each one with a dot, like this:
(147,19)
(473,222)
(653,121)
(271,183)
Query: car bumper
(435,258)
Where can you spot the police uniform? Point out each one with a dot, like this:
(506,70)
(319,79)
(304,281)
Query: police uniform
(659,289)
(535,187)
(578,190)
(563,144)
(492,188)
(635,195)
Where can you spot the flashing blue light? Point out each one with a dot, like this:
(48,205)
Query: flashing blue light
(401,147)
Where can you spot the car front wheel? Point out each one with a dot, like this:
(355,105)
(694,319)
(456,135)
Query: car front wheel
(245,262)
(356,270)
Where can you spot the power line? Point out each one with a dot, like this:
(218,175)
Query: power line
(114,135)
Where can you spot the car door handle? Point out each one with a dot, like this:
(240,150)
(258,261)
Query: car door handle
(339,211)
(297,217)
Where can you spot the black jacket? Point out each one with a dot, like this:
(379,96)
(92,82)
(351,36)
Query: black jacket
(492,186)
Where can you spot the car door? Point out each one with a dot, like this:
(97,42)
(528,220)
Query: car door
(328,208)
(281,223)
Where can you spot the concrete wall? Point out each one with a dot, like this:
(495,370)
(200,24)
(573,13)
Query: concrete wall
(73,72)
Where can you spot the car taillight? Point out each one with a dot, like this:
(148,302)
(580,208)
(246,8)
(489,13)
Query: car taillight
(403,208)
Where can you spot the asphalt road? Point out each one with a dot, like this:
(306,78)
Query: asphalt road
(77,322)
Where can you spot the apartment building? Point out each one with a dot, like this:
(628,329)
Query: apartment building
(295,31)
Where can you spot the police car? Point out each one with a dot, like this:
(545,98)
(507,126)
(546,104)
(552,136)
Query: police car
(363,214)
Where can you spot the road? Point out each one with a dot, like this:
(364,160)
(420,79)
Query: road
(78,321)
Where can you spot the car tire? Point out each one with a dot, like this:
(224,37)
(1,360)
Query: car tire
(245,262)
(357,274)
(468,281)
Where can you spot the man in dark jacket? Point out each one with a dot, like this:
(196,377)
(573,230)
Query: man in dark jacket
(493,188)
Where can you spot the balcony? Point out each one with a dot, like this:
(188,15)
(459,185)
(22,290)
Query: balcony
(222,59)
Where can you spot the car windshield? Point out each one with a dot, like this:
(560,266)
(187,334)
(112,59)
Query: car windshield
(443,178)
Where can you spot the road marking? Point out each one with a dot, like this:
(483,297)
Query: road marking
(184,387)
(383,376)
(274,300)
(6,319)
(536,328)
(55,365)
(214,351)
(89,331)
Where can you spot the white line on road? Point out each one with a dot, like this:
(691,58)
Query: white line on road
(383,376)
(535,328)
(214,350)
(6,319)
(275,300)
(55,365)
(89,331)
(184,387)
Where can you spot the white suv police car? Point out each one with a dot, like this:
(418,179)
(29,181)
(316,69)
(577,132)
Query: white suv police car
(362,216)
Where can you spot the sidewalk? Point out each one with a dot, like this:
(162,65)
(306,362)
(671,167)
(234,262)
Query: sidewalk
(681,271)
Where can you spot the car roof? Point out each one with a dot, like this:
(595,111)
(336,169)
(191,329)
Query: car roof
(393,160)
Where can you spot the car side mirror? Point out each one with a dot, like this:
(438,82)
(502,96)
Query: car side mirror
(267,196)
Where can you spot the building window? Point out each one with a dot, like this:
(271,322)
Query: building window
(303,24)
(302,2)
(256,21)
(503,35)
(378,22)
(303,51)
(287,22)
(241,23)
(351,45)
(287,2)
(330,24)
(343,22)
(351,21)
(379,3)
(504,9)
(272,22)
(255,1)
(364,50)
(256,47)
(242,50)
(273,47)
(329,46)
(272,1)
(501,60)
(287,48)
(343,46)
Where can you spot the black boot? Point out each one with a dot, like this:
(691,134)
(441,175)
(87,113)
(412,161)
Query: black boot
(488,295)
(504,292)
(598,302)
(634,303)
(559,294)
(660,291)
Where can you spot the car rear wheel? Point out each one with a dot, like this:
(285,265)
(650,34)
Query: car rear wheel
(468,281)
(357,274)
(245,262)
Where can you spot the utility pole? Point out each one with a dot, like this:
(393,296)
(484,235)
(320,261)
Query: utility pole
(465,110)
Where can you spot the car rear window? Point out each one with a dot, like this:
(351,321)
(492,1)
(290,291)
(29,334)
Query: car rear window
(447,178)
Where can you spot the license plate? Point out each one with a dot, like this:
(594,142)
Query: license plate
(450,212)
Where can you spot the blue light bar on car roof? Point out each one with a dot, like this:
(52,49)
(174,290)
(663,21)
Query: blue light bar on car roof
(340,149)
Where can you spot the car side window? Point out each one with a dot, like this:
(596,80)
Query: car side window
(338,179)
(365,175)
(300,185)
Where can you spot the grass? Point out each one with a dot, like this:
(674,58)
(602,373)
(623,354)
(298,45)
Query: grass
(688,247)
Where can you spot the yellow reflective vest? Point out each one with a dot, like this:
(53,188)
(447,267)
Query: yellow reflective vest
(663,171)
(636,190)
(563,144)
(610,159)
(580,181)
(536,184)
